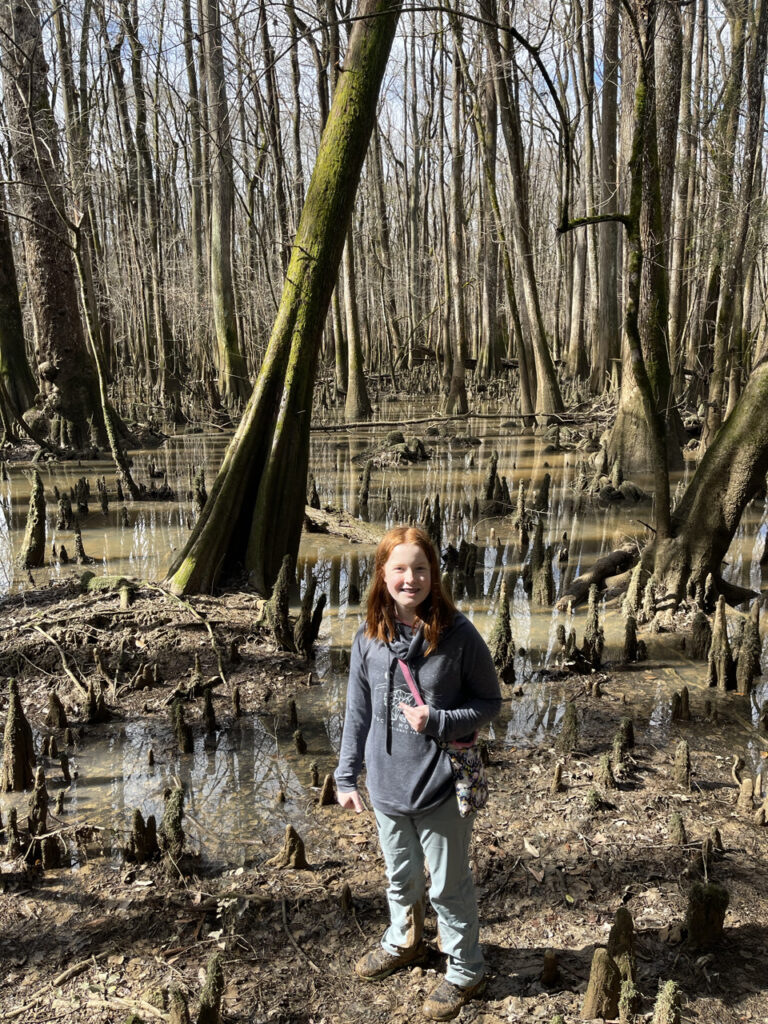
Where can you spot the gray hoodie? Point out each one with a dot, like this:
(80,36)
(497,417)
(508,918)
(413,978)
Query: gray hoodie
(407,772)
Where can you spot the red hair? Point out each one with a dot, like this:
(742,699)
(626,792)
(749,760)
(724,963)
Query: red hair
(438,609)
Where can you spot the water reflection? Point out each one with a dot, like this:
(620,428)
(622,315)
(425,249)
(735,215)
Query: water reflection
(232,787)
(231,784)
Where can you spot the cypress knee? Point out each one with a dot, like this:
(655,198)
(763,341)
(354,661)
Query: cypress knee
(501,642)
(276,608)
(328,792)
(171,837)
(701,637)
(213,991)
(602,996)
(292,854)
(18,748)
(705,917)
(32,554)
(594,638)
(57,716)
(681,771)
(568,738)
(667,1008)
(748,665)
(721,671)
(178,1011)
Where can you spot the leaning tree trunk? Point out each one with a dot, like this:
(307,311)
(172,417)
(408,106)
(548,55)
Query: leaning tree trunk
(256,508)
(729,476)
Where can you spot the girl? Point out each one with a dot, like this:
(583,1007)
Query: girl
(408,774)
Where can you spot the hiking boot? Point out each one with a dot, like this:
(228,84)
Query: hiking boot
(380,964)
(446,999)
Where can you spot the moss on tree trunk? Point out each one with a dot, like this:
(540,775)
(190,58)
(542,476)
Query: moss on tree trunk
(68,380)
(729,476)
(255,512)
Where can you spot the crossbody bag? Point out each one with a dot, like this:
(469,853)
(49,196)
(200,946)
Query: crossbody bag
(469,778)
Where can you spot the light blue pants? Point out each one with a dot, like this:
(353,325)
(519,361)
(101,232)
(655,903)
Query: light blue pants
(442,837)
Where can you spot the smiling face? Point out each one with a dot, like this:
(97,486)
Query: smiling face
(408,579)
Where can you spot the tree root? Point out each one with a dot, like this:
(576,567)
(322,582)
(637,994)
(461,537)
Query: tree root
(293,942)
(78,682)
(734,594)
(185,603)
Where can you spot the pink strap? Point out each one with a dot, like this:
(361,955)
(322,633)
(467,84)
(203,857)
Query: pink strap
(409,679)
(456,744)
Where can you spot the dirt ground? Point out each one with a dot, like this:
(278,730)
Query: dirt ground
(98,943)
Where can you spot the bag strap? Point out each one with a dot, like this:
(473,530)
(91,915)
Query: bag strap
(454,744)
(411,684)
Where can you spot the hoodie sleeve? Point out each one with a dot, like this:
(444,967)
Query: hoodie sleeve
(357,719)
(481,695)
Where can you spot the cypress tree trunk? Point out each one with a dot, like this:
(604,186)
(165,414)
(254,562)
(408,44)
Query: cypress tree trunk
(255,511)
(456,400)
(384,254)
(486,126)
(728,477)
(78,136)
(68,380)
(526,369)
(233,375)
(644,433)
(358,404)
(724,156)
(14,367)
(607,345)
(730,281)
(195,158)
(686,161)
(416,275)
(577,352)
(548,397)
(274,136)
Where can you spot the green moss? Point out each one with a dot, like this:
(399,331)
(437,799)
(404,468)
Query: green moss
(213,990)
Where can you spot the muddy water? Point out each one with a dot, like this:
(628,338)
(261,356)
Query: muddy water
(232,785)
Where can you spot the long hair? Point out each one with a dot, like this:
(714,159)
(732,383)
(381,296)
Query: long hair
(435,613)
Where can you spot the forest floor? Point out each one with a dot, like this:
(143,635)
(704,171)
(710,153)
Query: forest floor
(96,943)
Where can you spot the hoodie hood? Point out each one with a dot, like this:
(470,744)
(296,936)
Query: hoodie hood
(408,647)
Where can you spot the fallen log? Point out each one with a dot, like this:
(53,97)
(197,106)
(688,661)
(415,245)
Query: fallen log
(612,564)
(340,524)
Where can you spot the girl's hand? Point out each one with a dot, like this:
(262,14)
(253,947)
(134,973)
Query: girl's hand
(350,801)
(417,717)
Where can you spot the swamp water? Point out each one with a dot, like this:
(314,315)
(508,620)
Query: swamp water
(231,785)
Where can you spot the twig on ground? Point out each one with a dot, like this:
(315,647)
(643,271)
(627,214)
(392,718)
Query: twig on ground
(201,618)
(293,942)
(78,682)
(57,982)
